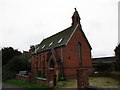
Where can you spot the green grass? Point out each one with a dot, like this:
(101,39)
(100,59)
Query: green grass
(24,84)
(117,72)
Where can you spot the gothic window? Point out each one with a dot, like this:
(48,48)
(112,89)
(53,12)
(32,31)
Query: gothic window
(52,64)
(80,52)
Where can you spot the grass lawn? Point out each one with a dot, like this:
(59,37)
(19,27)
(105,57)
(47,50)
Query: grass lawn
(24,84)
(103,82)
(67,84)
(116,72)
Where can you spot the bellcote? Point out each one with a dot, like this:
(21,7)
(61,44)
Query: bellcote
(75,18)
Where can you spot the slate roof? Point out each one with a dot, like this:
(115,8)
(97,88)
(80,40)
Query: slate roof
(64,35)
(54,40)
(57,40)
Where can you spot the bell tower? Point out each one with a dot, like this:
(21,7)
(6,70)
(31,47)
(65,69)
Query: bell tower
(75,18)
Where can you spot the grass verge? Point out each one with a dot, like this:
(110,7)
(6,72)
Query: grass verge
(105,82)
(24,84)
(116,72)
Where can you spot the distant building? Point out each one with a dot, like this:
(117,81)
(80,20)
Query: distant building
(65,51)
(25,51)
(104,60)
(110,60)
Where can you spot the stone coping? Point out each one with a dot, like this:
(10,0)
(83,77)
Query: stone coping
(22,75)
(41,78)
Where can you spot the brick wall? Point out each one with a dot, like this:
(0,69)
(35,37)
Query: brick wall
(41,81)
(22,77)
(32,79)
(71,53)
(82,78)
(114,76)
(49,81)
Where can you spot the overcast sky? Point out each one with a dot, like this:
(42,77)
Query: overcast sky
(28,22)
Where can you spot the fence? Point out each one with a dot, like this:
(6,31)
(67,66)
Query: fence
(22,77)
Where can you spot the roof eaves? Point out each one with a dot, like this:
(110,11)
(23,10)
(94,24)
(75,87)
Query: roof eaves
(47,49)
(86,39)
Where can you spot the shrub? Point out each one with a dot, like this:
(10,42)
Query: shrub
(102,67)
(61,78)
(14,65)
(6,74)
(38,73)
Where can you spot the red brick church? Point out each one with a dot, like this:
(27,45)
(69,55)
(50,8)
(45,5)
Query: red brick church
(64,51)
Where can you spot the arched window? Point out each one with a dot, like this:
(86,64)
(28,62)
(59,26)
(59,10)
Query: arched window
(80,52)
(52,63)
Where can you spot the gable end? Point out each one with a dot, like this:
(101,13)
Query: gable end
(78,25)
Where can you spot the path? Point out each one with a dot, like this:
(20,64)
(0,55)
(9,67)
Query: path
(4,85)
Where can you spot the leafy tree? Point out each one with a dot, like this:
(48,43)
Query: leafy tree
(102,67)
(7,74)
(8,53)
(117,54)
(16,64)
(19,63)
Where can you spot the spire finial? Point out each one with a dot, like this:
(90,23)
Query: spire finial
(75,9)
(75,18)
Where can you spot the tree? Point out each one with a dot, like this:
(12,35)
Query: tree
(20,63)
(8,53)
(16,64)
(117,55)
(102,67)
